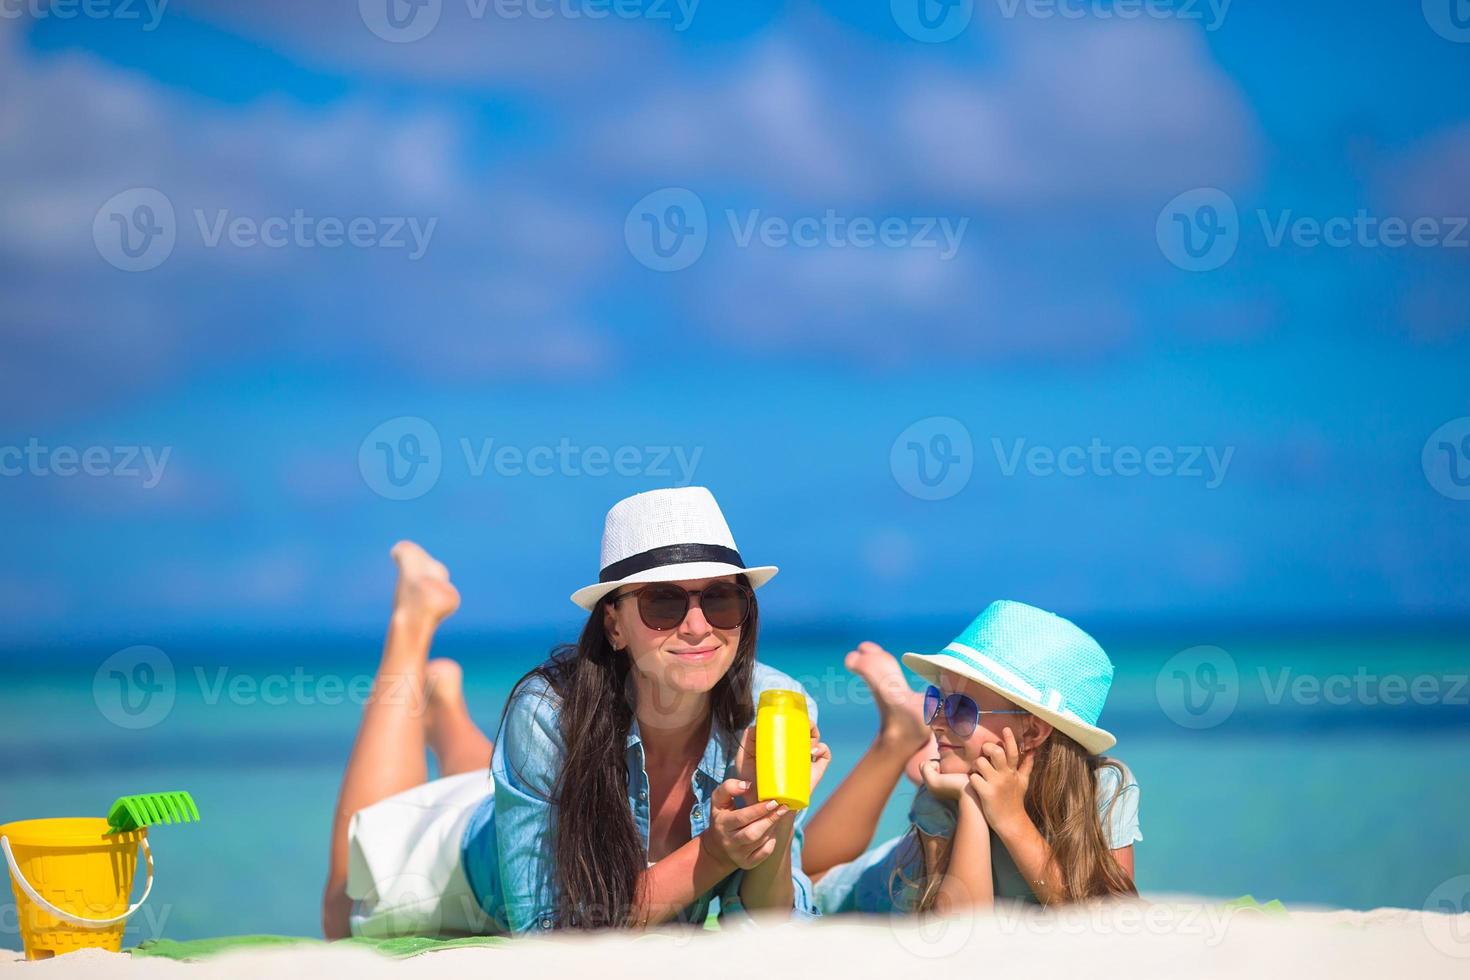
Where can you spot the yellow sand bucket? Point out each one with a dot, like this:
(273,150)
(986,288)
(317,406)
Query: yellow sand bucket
(72,880)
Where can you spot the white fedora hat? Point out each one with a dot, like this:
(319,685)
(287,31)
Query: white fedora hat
(667,536)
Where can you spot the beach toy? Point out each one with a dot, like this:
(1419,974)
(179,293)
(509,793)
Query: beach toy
(72,876)
(132,812)
(783,748)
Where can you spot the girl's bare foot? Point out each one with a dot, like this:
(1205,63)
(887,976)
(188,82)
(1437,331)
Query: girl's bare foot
(452,734)
(424,595)
(900,708)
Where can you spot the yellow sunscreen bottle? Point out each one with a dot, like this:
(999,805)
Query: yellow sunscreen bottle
(783,749)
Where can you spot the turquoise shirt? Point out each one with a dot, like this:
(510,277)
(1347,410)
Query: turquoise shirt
(869,883)
(507,846)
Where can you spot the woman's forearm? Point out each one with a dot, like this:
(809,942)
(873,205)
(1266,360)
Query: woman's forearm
(768,884)
(1033,858)
(967,883)
(677,880)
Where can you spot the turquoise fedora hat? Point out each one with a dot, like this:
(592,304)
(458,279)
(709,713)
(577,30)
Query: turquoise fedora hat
(1042,662)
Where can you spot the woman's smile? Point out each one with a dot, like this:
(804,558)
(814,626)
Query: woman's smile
(698,654)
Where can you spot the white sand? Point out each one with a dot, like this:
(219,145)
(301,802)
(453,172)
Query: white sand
(1169,939)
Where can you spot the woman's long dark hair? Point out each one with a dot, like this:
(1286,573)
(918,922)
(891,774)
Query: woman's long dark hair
(599,853)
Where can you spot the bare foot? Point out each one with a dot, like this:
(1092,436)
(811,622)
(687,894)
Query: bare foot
(424,593)
(455,739)
(900,708)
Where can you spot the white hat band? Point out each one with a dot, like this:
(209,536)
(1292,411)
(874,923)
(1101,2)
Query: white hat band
(1051,698)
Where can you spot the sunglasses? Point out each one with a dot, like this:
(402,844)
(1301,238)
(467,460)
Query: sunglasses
(961,712)
(726,605)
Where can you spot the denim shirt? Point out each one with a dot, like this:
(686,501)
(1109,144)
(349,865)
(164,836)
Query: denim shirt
(507,846)
(885,878)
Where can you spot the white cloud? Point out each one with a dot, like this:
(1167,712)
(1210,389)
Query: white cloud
(876,304)
(80,331)
(273,578)
(1432,178)
(1078,112)
(1049,146)
(772,118)
(469,45)
(890,554)
(1066,115)
(1065,112)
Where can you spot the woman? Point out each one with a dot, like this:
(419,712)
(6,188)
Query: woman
(621,791)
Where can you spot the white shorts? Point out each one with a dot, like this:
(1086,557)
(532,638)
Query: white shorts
(404,862)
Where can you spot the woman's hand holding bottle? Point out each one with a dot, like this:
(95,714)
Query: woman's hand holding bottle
(741,837)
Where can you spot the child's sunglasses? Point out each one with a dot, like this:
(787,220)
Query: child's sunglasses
(960,711)
(663,606)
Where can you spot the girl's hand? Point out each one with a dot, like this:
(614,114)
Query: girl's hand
(742,837)
(945,785)
(1000,779)
(821,757)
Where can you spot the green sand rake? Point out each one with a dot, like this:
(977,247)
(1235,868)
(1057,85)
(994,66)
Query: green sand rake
(146,809)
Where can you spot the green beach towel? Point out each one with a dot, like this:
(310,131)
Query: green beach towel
(401,946)
(405,946)
(1273,907)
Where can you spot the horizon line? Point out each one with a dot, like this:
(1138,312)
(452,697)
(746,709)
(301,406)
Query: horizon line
(1136,627)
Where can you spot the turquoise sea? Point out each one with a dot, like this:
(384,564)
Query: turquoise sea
(1300,765)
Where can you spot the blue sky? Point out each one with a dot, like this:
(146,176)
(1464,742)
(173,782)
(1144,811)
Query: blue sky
(1054,148)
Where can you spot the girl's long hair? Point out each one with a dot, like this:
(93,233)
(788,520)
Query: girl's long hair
(1061,799)
(599,853)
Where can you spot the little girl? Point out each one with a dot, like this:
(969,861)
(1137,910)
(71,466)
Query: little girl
(1015,801)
